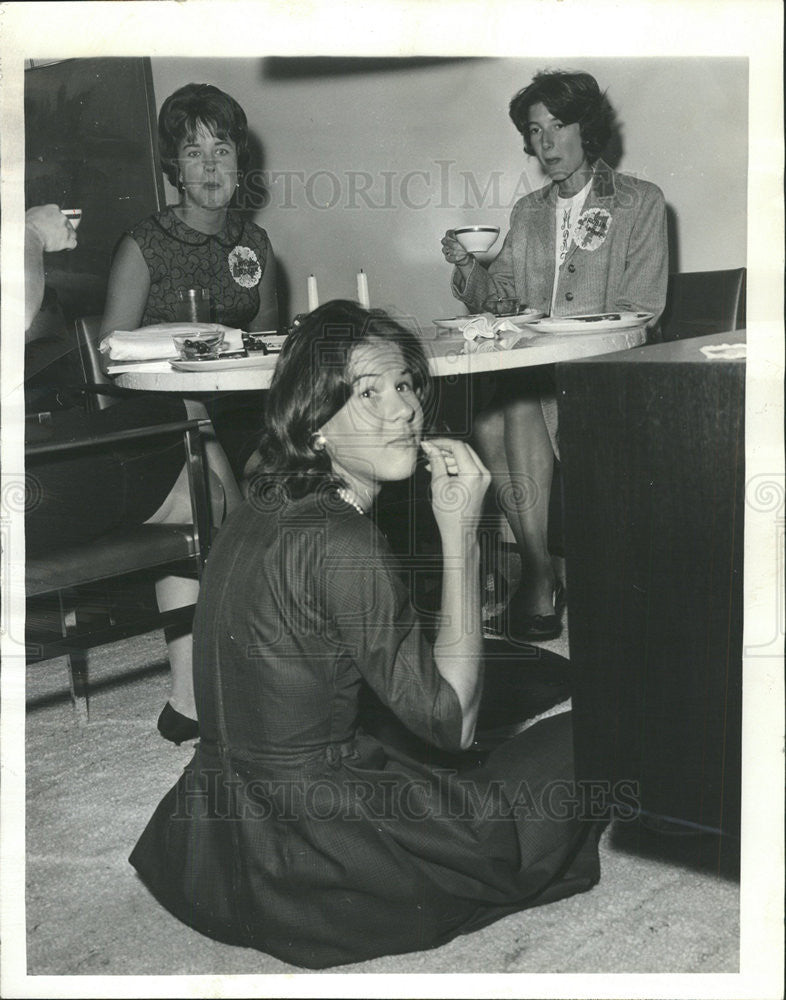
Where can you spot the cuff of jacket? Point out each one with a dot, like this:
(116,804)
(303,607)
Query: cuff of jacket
(477,287)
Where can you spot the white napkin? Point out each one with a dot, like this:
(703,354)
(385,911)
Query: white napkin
(493,334)
(151,342)
(724,351)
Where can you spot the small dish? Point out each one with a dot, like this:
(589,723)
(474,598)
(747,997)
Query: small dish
(198,344)
(454,322)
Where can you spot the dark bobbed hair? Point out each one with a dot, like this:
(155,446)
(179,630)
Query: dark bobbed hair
(571,97)
(311,383)
(192,106)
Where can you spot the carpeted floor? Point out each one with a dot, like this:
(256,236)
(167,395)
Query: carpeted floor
(91,790)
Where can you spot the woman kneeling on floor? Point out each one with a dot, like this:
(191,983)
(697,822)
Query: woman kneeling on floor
(294,829)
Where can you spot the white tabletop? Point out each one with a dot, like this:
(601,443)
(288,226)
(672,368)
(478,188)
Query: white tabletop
(445,354)
(164,378)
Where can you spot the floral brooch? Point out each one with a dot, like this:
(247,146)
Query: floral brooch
(592,228)
(244,266)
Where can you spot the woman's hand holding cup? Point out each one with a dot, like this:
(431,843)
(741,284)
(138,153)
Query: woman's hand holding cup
(459,481)
(453,251)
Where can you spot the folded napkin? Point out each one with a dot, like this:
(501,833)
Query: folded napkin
(152,342)
(724,351)
(487,333)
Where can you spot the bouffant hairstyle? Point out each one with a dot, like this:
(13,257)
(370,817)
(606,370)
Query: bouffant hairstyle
(195,106)
(571,97)
(312,382)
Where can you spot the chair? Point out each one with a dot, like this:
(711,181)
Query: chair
(87,331)
(62,577)
(702,302)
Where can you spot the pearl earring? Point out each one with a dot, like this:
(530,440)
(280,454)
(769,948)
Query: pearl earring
(319,442)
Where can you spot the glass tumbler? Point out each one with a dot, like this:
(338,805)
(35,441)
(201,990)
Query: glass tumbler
(193,305)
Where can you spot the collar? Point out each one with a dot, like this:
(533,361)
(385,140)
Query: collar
(227,236)
(603,185)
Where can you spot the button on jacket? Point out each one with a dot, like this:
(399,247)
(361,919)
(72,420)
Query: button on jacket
(621,263)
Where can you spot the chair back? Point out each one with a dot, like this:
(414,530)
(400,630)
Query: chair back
(88,336)
(702,302)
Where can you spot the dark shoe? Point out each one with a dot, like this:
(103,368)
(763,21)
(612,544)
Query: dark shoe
(536,627)
(176,727)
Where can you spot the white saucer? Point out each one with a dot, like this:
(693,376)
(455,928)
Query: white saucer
(226,364)
(589,323)
(459,322)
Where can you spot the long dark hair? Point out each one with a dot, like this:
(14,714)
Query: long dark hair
(571,97)
(311,383)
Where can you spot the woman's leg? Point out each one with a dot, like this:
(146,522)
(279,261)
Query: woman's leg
(512,440)
(488,434)
(179,591)
(530,459)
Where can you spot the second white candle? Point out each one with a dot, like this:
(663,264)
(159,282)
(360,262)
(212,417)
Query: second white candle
(313,296)
(363,298)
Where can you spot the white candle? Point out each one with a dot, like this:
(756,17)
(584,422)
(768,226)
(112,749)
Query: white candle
(313,297)
(363,298)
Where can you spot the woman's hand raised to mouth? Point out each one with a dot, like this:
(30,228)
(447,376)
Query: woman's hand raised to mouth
(459,481)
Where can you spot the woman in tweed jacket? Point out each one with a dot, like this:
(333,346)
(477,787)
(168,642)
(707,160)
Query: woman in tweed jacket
(592,240)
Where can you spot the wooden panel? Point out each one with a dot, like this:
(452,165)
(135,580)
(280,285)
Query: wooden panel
(652,449)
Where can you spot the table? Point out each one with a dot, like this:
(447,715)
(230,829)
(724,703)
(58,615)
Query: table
(444,353)
(653,467)
(445,357)
(165,379)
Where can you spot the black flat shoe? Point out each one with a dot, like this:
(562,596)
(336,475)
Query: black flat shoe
(175,727)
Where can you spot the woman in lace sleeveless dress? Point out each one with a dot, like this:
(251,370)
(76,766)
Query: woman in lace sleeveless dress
(202,242)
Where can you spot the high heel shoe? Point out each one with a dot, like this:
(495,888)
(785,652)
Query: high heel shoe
(176,727)
(537,627)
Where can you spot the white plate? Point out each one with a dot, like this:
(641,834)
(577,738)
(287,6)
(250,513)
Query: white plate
(590,322)
(225,364)
(459,322)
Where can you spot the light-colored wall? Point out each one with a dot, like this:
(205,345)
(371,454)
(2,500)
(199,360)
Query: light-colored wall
(374,166)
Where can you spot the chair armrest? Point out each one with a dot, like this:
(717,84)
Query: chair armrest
(195,464)
(102,389)
(95,441)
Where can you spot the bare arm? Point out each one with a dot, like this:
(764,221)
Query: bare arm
(457,499)
(46,230)
(267,315)
(34,275)
(128,289)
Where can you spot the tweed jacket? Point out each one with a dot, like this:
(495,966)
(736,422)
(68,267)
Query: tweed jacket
(620,264)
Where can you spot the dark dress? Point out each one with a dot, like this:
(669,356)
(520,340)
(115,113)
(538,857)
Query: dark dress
(296,832)
(230,264)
